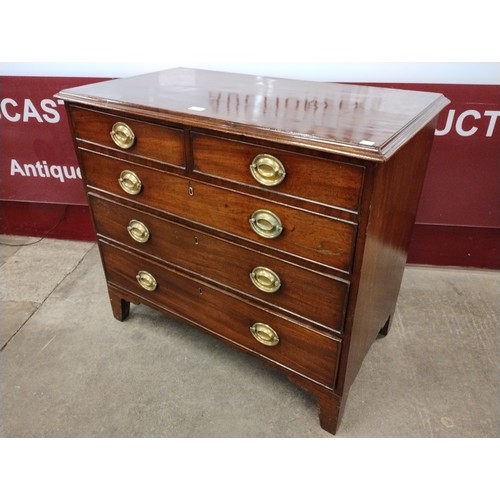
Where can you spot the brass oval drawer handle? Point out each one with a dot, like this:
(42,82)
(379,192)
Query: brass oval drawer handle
(267,170)
(266,224)
(138,231)
(264,334)
(123,136)
(130,182)
(265,279)
(147,281)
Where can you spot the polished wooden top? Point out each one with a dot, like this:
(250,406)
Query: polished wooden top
(357,120)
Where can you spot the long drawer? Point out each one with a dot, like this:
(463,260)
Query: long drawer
(299,175)
(275,283)
(139,139)
(269,335)
(280,227)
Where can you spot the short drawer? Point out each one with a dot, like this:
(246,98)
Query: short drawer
(306,177)
(137,138)
(313,296)
(279,227)
(284,342)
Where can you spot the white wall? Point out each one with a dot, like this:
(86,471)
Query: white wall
(313,39)
(464,73)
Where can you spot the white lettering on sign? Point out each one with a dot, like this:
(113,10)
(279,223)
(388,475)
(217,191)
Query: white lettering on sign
(466,122)
(42,169)
(27,110)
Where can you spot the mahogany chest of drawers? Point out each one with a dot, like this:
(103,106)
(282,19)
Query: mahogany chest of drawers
(274,214)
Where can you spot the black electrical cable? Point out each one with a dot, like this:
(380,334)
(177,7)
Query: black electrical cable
(42,237)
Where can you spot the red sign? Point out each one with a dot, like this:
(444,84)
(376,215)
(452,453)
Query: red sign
(462,186)
(459,208)
(37,158)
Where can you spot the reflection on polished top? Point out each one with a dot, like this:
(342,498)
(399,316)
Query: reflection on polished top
(356,120)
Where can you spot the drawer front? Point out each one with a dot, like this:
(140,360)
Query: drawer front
(302,176)
(315,237)
(150,141)
(298,348)
(310,295)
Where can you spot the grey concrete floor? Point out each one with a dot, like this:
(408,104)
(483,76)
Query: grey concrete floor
(69,369)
